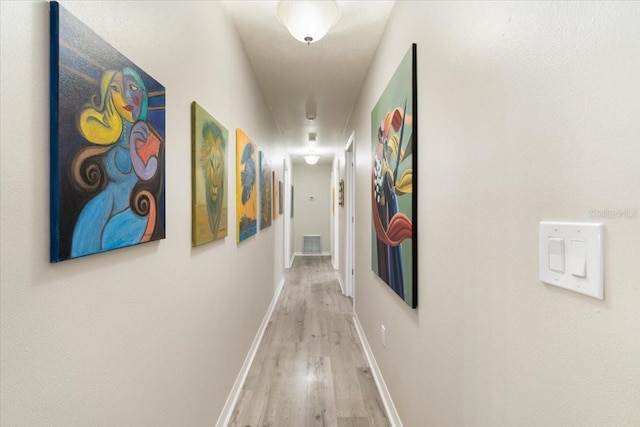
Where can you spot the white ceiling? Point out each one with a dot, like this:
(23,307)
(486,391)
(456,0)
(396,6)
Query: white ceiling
(325,76)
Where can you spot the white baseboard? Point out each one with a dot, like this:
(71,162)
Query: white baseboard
(234,395)
(342,287)
(392,413)
(293,257)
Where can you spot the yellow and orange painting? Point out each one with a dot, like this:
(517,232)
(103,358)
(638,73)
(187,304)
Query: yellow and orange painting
(246,187)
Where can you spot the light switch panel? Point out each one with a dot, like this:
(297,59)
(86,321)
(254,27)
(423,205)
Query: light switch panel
(571,256)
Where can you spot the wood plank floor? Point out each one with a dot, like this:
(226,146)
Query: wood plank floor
(310,369)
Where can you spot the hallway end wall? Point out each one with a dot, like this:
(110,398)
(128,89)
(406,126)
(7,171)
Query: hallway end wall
(148,335)
(311,204)
(527,112)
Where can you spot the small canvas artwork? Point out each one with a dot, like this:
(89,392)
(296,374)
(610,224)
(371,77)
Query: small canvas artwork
(209,142)
(246,187)
(266,191)
(276,196)
(107,142)
(393,182)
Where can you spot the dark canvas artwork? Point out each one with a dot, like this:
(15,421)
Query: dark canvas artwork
(266,191)
(107,145)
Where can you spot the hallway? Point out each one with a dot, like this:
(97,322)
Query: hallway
(525,113)
(310,369)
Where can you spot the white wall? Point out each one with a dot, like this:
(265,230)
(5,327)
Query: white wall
(311,216)
(528,111)
(148,335)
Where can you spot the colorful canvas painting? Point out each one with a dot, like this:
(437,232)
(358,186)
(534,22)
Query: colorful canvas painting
(246,187)
(107,139)
(266,191)
(393,182)
(276,196)
(209,142)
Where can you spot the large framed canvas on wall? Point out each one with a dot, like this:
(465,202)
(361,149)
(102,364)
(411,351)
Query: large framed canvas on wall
(107,145)
(246,187)
(394,170)
(209,144)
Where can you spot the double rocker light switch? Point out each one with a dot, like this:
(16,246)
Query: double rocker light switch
(571,257)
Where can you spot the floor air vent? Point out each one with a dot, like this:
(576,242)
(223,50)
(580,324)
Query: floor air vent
(311,244)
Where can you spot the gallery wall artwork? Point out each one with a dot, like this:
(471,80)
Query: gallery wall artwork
(393,182)
(107,137)
(266,191)
(246,187)
(276,196)
(209,142)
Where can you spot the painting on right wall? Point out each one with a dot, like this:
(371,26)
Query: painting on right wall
(393,182)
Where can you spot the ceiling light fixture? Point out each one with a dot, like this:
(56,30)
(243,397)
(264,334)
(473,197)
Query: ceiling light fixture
(311,159)
(308,21)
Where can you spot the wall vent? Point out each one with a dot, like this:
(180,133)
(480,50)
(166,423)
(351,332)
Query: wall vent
(311,244)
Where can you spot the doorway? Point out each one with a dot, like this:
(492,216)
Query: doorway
(349,200)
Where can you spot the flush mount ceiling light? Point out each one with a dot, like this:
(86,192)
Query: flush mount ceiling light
(311,159)
(308,21)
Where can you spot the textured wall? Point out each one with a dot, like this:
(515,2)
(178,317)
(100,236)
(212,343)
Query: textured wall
(148,335)
(528,111)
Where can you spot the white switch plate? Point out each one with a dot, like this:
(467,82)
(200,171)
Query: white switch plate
(574,236)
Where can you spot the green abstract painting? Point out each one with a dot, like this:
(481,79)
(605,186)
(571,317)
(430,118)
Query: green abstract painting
(393,182)
(209,145)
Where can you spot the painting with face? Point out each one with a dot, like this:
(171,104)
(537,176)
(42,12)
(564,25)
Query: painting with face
(209,177)
(107,145)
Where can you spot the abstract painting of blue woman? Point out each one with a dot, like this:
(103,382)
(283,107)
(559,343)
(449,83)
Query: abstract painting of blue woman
(107,145)
(393,182)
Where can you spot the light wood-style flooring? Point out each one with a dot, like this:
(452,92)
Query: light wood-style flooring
(310,369)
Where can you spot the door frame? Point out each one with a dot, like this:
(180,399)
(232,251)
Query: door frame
(350,176)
